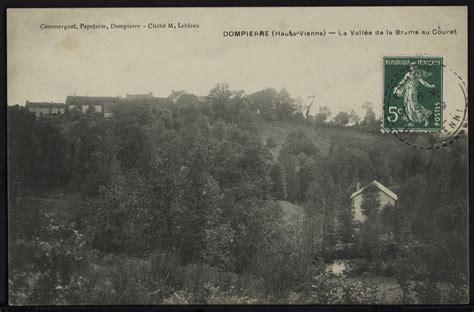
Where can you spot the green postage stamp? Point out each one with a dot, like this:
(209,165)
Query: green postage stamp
(413,94)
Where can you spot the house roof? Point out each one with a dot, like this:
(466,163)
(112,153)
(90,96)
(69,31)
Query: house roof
(202,98)
(148,100)
(379,186)
(175,95)
(44,104)
(139,96)
(111,100)
(91,100)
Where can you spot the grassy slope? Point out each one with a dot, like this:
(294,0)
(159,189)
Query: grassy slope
(359,141)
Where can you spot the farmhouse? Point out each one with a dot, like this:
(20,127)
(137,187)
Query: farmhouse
(147,99)
(175,95)
(105,105)
(94,103)
(139,96)
(385,196)
(46,108)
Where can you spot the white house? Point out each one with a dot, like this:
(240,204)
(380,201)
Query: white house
(84,103)
(386,197)
(46,108)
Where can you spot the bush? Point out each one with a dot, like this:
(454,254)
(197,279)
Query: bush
(45,269)
(360,293)
(282,268)
(120,279)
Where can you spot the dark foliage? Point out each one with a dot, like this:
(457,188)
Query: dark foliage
(181,204)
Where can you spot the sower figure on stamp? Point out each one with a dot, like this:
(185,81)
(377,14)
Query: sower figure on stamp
(407,87)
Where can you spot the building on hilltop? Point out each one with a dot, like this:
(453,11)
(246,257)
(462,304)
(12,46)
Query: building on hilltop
(184,98)
(95,103)
(149,95)
(175,95)
(103,105)
(202,98)
(385,197)
(148,99)
(46,108)
(109,110)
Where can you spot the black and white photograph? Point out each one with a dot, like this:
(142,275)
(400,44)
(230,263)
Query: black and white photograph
(237,156)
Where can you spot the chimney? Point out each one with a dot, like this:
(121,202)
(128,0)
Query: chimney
(358,186)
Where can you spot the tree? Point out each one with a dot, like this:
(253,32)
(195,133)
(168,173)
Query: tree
(327,201)
(372,232)
(122,220)
(322,115)
(91,145)
(21,149)
(45,267)
(321,202)
(277,175)
(299,142)
(298,159)
(354,119)
(263,103)
(370,120)
(342,118)
(219,97)
(51,155)
(91,110)
(370,201)
(37,152)
(285,106)
(345,230)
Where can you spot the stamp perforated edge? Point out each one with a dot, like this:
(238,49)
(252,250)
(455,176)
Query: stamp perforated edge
(382,89)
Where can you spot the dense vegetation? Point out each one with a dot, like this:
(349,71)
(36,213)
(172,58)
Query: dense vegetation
(184,204)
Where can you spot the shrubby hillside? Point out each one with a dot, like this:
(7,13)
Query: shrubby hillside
(233,199)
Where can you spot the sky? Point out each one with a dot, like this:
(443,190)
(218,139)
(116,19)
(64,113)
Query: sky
(343,72)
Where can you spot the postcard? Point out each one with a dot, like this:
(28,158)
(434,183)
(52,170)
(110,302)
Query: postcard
(290,155)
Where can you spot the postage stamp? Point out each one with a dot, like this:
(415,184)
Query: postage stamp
(413,94)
